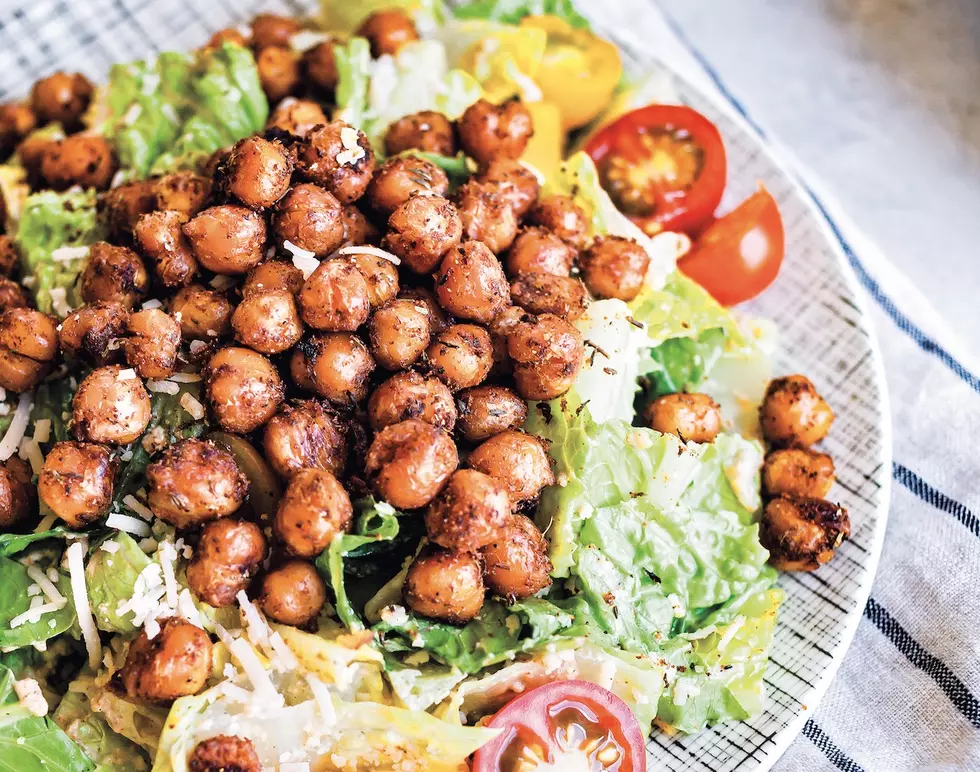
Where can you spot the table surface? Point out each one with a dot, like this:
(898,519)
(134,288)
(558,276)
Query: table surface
(880,98)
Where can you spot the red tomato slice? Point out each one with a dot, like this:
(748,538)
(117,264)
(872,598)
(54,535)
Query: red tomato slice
(663,166)
(567,726)
(739,255)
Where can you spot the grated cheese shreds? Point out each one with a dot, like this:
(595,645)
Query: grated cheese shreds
(185,378)
(48,587)
(31,451)
(328,714)
(79,592)
(29,695)
(138,507)
(131,525)
(168,557)
(303,259)
(352,152)
(18,427)
(163,387)
(59,301)
(34,613)
(152,303)
(257,674)
(258,630)
(282,650)
(129,374)
(369,250)
(194,408)
(42,430)
(67,254)
(47,522)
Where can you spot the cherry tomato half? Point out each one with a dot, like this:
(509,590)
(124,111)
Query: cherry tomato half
(564,725)
(739,255)
(663,166)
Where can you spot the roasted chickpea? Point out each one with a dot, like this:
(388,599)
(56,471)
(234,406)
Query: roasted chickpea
(461,356)
(32,152)
(272,276)
(488,410)
(212,166)
(547,353)
(469,513)
(515,563)
(114,274)
(268,322)
(76,481)
(204,314)
(313,510)
(381,276)
(518,460)
(797,472)
(94,333)
(111,406)
(160,237)
(227,239)
(228,555)
(399,333)
(12,295)
(174,663)
(318,154)
(243,388)
(793,414)
(358,229)
(153,343)
(62,98)
(18,496)
(224,753)
(692,417)
(512,180)
(320,66)
(428,131)
(437,318)
(312,219)
(445,585)
(305,436)
(388,31)
(279,71)
(17,120)
(422,230)
(614,267)
(537,250)
(501,326)
(400,178)
(292,594)
(9,258)
(336,366)
(470,283)
(269,29)
(193,482)
(257,172)
(183,192)
(488,131)
(79,160)
(409,462)
(227,35)
(120,208)
(28,347)
(297,116)
(335,297)
(801,534)
(410,395)
(486,216)
(563,217)
(542,293)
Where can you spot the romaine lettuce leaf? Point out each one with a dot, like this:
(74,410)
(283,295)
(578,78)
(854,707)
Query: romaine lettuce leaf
(111,752)
(512,11)
(15,600)
(111,578)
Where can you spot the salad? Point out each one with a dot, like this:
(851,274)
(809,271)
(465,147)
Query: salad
(371,400)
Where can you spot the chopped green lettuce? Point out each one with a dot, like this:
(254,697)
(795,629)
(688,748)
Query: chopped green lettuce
(512,11)
(111,578)
(110,751)
(15,601)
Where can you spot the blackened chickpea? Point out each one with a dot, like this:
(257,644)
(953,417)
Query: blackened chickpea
(204,314)
(422,230)
(358,229)
(516,564)
(402,177)
(224,753)
(227,239)
(28,347)
(272,276)
(501,326)
(409,462)
(120,208)
(226,35)
(471,284)
(428,131)
(279,71)
(62,98)
(311,218)
(160,238)
(514,181)
(257,172)
(175,663)
(268,322)
(486,216)
(399,333)
(320,67)
(305,436)
(335,297)
(793,414)
(461,356)
(212,166)
(76,481)
(337,366)
(114,274)
(614,267)
(111,406)
(153,343)
(297,117)
(469,512)
(12,295)
(411,395)
(339,158)
(79,160)
(293,593)
(313,510)
(17,120)
(243,389)
(437,317)
(518,460)
(183,192)
(801,534)
(445,585)
(381,276)
(194,482)
(488,131)
(18,496)
(547,353)
(542,293)
(9,258)
(797,472)
(270,29)
(563,217)
(538,250)
(228,555)
(488,410)
(388,31)
(692,417)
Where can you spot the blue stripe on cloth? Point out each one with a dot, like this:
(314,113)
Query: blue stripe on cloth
(936,498)
(816,735)
(961,697)
(901,320)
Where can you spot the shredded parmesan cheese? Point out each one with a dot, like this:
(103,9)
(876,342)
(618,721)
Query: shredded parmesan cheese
(152,303)
(34,614)
(31,697)
(46,523)
(194,408)
(76,570)
(185,378)
(47,586)
(163,387)
(368,250)
(128,374)
(324,703)
(135,505)
(258,630)
(131,525)
(250,663)
(42,430)
(352,152)
(67,254)
(303,259)
(168,557)
(18,426)
(59,301)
